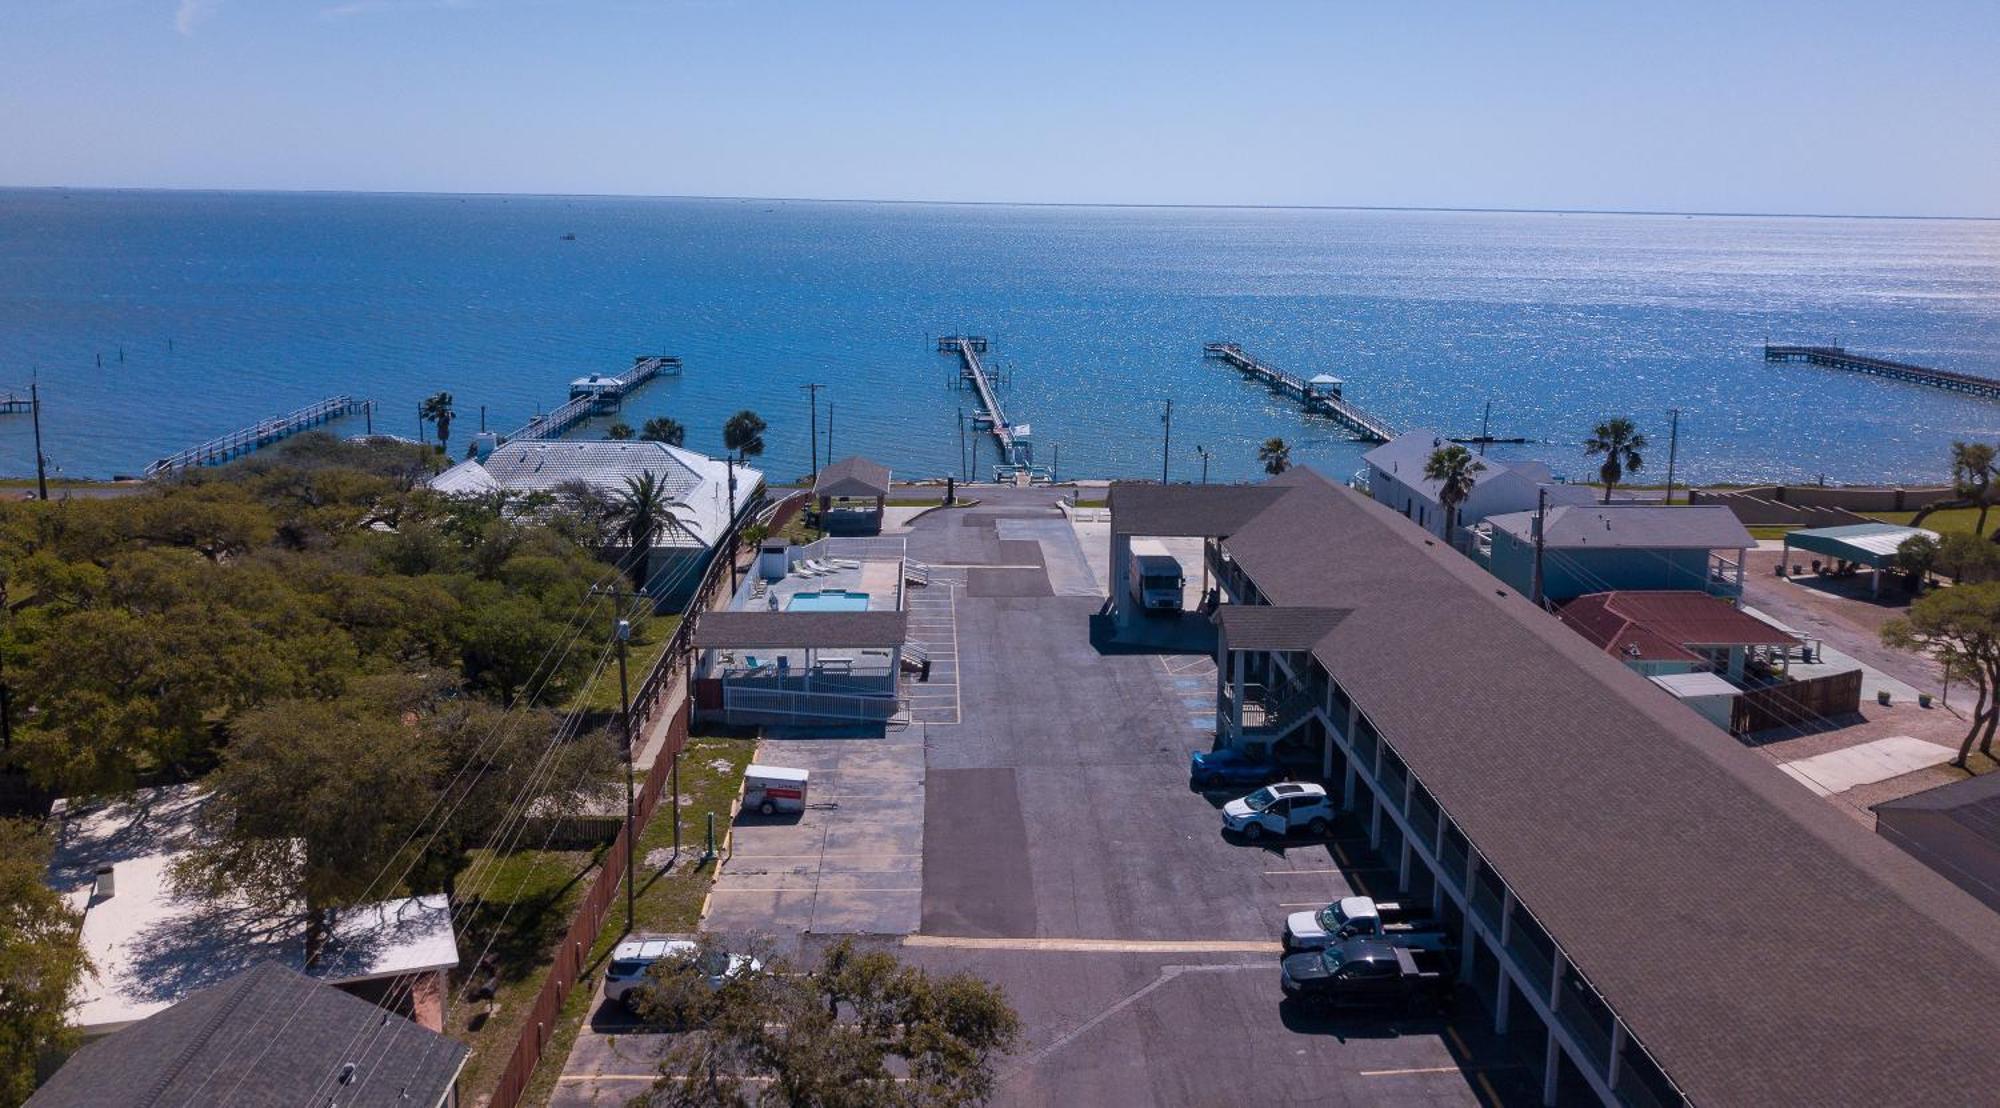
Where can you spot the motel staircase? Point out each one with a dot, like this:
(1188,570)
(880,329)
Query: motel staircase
(916,573)
(1270,713)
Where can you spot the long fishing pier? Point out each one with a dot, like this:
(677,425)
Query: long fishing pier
(1836,357)
(1012,438)
(1321,395)
(595,395)
(235,444)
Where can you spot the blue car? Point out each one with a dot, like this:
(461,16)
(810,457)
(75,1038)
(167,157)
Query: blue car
(1209,769)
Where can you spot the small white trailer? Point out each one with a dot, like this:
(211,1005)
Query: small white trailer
(773,789)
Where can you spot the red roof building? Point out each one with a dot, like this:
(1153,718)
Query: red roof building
(1671,631)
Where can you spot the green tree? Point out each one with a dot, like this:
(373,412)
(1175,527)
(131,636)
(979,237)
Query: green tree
(1620,442)
(312,800)
(859,1028)
(642,513)
(41,962)
(664,429)
(1276,454)
(1967,558)
(1960,628)
(1455,470)
(1972,473)
(619,431)
(743,435)
(437,409)
(1917,557)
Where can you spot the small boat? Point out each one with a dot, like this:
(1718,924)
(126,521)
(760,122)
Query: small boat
(569,236)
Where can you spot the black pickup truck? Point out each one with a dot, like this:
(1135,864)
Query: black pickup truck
(1369,973)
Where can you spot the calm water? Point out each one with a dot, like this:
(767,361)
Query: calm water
(1098,315)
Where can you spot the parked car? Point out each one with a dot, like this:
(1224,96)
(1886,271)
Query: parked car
(630,960)
(1285,808)
(1368,973)
(1361,917)
(1208,769)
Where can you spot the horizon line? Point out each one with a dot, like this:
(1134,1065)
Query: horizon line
(1442,208)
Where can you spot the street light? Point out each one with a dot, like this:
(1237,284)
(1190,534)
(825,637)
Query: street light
(1203,451)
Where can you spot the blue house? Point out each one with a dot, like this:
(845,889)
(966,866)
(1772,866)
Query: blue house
(1608,547)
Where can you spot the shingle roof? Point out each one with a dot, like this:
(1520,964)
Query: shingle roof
(266,1038)
(1262,627)
(1631,526)
(1765,948)
(1661,625)
(856,477)
(800,630)
(1139,508)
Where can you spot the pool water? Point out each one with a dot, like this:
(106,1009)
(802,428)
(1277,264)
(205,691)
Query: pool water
(828,600)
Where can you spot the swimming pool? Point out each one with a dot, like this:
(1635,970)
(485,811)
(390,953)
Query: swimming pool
(828,600)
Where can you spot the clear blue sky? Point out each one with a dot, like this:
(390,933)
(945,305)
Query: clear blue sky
(1745,106)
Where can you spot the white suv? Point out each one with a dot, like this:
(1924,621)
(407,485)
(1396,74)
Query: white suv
(1282,809)
(631,959)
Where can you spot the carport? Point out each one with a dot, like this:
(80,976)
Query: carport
(812,667)
(1863,544)
(1208,512)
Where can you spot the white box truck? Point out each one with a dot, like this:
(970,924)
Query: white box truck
(1157,579)
(773,789)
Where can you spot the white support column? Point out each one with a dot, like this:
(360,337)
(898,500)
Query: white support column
(1506,987)
(1236,704)
(1353,784)
(1611,1074)
(1121,576)
(1221,675)
(1403,874)
(1552,1059)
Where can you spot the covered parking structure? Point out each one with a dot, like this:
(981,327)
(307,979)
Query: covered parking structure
(1207,512)
(1650,912)
(1873,545)
(853,479)
(799,668)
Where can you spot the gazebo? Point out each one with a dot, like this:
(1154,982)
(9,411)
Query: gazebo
(1873,545)
(852,479)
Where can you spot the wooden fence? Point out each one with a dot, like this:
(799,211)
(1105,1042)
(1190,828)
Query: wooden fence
(1797,702)
(655,692)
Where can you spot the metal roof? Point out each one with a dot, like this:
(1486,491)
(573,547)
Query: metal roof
(800,630)
(265,1038)
(1664,625)
(695,485)
(1715,904)
(1871,544)
(1631,527)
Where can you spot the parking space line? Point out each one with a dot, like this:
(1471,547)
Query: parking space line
(815,892)
(1098,946)
(1297,872)
(1413,1070)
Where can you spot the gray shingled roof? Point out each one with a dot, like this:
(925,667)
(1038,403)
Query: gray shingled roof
(266,1038)
(800,630)
(1186,510)
(1766,948)
(852,477)
(1631,527)
(1262,627)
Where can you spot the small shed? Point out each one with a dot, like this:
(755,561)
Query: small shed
(1870,545)
(851,494)
(1707,693)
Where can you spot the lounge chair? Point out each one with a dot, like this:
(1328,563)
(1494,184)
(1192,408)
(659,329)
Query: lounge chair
(844,563)
(751,661)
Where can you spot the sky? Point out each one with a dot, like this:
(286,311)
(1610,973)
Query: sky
(1830,107)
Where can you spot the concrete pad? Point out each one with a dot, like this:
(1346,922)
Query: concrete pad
(1840,770)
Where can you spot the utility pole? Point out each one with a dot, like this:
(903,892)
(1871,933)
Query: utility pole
(482,419)
(731,460)
(829,432)
(1166,439)
(622,630)
(1541,512)
(812,390)
(1673,448)
(964,467)
(41,460)
(1055,467)
(1485,428)
(1203,452)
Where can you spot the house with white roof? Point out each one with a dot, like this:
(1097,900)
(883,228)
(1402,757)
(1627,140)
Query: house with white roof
(703,494)
(150,944)
(1395,474)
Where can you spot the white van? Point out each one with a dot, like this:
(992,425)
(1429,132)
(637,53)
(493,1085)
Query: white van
(774,789)
(1157,579)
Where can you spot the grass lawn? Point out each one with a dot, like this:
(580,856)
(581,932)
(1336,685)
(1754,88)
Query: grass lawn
(668,900)
(1943,522)
(649,641)
(528,906)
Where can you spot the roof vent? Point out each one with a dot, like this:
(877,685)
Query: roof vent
(104,887)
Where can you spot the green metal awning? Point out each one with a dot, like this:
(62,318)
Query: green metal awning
(1870,544)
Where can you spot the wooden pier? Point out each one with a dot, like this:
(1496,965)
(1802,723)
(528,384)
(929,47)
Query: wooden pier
(596,395)
(1320,396)
(1836,357)
(263,433)
(11,403)
(1016,449)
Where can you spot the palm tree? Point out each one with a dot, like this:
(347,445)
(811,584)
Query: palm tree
(619,431)
(664,429)
(1454,469)
(437,410)
(640,514)
(744,434)
(1276,454)
(1620,442)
